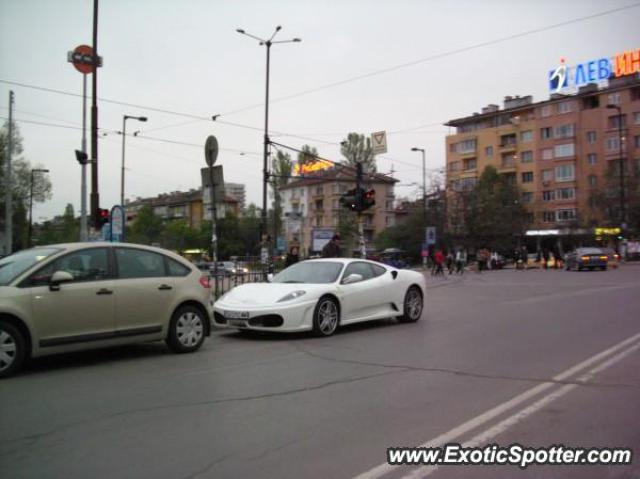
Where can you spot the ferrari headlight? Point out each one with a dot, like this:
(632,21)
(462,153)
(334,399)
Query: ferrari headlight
(290,296)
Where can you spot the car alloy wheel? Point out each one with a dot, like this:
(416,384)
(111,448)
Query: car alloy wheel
(325,321)
(186,330)
(413,305)
(12,349)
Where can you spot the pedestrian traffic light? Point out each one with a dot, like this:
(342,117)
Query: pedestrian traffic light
(368,200)
(103,218)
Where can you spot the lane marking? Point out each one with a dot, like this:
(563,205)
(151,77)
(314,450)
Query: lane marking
(519,416)
(483,418)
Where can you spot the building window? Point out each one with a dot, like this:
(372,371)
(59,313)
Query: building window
(319,205)
(319,190)
(335,188)
(618,121)
(526,136)
(469,183)
(547,154)
(564,131)
(388,205)
(388,221)
(548,216)
(593,180)
(613,99)
(566,193)
(488,151)
(565,172)
(527,197)
(636,141)
(547,175)
(591,137)
(465,146)
(508,140)
(592,158)
(545,111)
(454,166)
(636,118)
(335,204)
(526,157)
(591,102)
(565,107)
(613,144)
(565,215)
(546,133)
(470,164)
(548,195)
(508,160)
(318,220)
(564,151)
(527,177)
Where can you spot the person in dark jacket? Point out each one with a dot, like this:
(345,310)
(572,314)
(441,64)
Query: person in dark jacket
(332,248)
(292,257)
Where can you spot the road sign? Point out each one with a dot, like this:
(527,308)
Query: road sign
(430,235)
(211,150)
(379,142)
(83,59)
(117,223)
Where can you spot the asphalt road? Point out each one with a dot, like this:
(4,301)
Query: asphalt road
(538,358)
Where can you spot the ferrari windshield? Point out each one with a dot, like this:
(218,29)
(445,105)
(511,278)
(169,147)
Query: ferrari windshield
(318,272)
(14,265)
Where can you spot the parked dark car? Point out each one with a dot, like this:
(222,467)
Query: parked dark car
(586,258)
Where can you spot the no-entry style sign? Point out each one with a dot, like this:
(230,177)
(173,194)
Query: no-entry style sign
(83,59)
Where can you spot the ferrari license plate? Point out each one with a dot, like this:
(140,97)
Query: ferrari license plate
(238,323)
(236,314)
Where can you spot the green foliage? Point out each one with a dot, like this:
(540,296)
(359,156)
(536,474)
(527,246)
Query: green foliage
(64,228)
(308,154)
(147,227)
(357,148)
(408,236)
(281,168)
(491,215)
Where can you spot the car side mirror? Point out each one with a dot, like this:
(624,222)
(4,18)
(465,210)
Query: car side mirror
(352,278)
(394,274)
(59,277)
(269,277)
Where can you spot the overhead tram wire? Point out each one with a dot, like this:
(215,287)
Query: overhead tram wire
(438,56)
(345,81)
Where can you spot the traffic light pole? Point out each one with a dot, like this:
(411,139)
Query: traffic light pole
(359,200)
(95,196)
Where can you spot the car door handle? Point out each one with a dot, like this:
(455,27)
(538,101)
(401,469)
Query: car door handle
(104,291)
(164,287)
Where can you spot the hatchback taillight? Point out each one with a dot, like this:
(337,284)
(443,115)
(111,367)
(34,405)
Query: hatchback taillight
(204,281)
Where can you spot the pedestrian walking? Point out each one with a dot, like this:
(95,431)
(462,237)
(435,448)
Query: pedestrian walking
(449,261)
(439,260)
(332,248)
(461,259)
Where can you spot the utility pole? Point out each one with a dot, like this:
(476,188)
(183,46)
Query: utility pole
(95,195)
(359,200)
(8,185)
(84,232)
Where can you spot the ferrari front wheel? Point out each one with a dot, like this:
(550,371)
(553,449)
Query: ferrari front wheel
(326,317)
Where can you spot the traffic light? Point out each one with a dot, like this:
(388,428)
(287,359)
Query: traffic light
(81,157)
(352,199)
(103,218)
(368,200)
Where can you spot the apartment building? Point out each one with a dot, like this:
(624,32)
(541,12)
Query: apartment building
(558,151)
(311,205)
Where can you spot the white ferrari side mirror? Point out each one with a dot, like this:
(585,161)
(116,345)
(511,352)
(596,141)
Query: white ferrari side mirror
(269,277)
(352,278)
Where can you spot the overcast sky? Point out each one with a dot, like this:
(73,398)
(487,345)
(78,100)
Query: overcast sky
(185,56)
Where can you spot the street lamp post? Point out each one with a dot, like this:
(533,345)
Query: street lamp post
(124,135)
(33,170)
(622,205)
(265,162)
(424,185)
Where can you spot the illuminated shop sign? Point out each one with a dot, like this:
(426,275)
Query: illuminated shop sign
(601,69)
(607,231)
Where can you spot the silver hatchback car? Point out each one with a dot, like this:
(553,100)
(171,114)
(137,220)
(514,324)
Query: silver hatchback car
(70,297)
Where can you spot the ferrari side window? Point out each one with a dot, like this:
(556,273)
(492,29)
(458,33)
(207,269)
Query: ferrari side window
(361,268)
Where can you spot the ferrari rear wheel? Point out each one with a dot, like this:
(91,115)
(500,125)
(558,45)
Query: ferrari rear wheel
(326,317)
(413,305)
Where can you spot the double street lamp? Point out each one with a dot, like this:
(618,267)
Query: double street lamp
(33,170)
(265,162)
(124,136)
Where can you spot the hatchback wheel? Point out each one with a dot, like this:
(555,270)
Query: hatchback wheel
(186,330)
(12,349)
(413,305)
(326,317)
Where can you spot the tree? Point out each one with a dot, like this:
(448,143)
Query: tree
(605,198)
(491,214)
(307,155)
(21,183)
(63,228)
(357,149)
(147,228)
